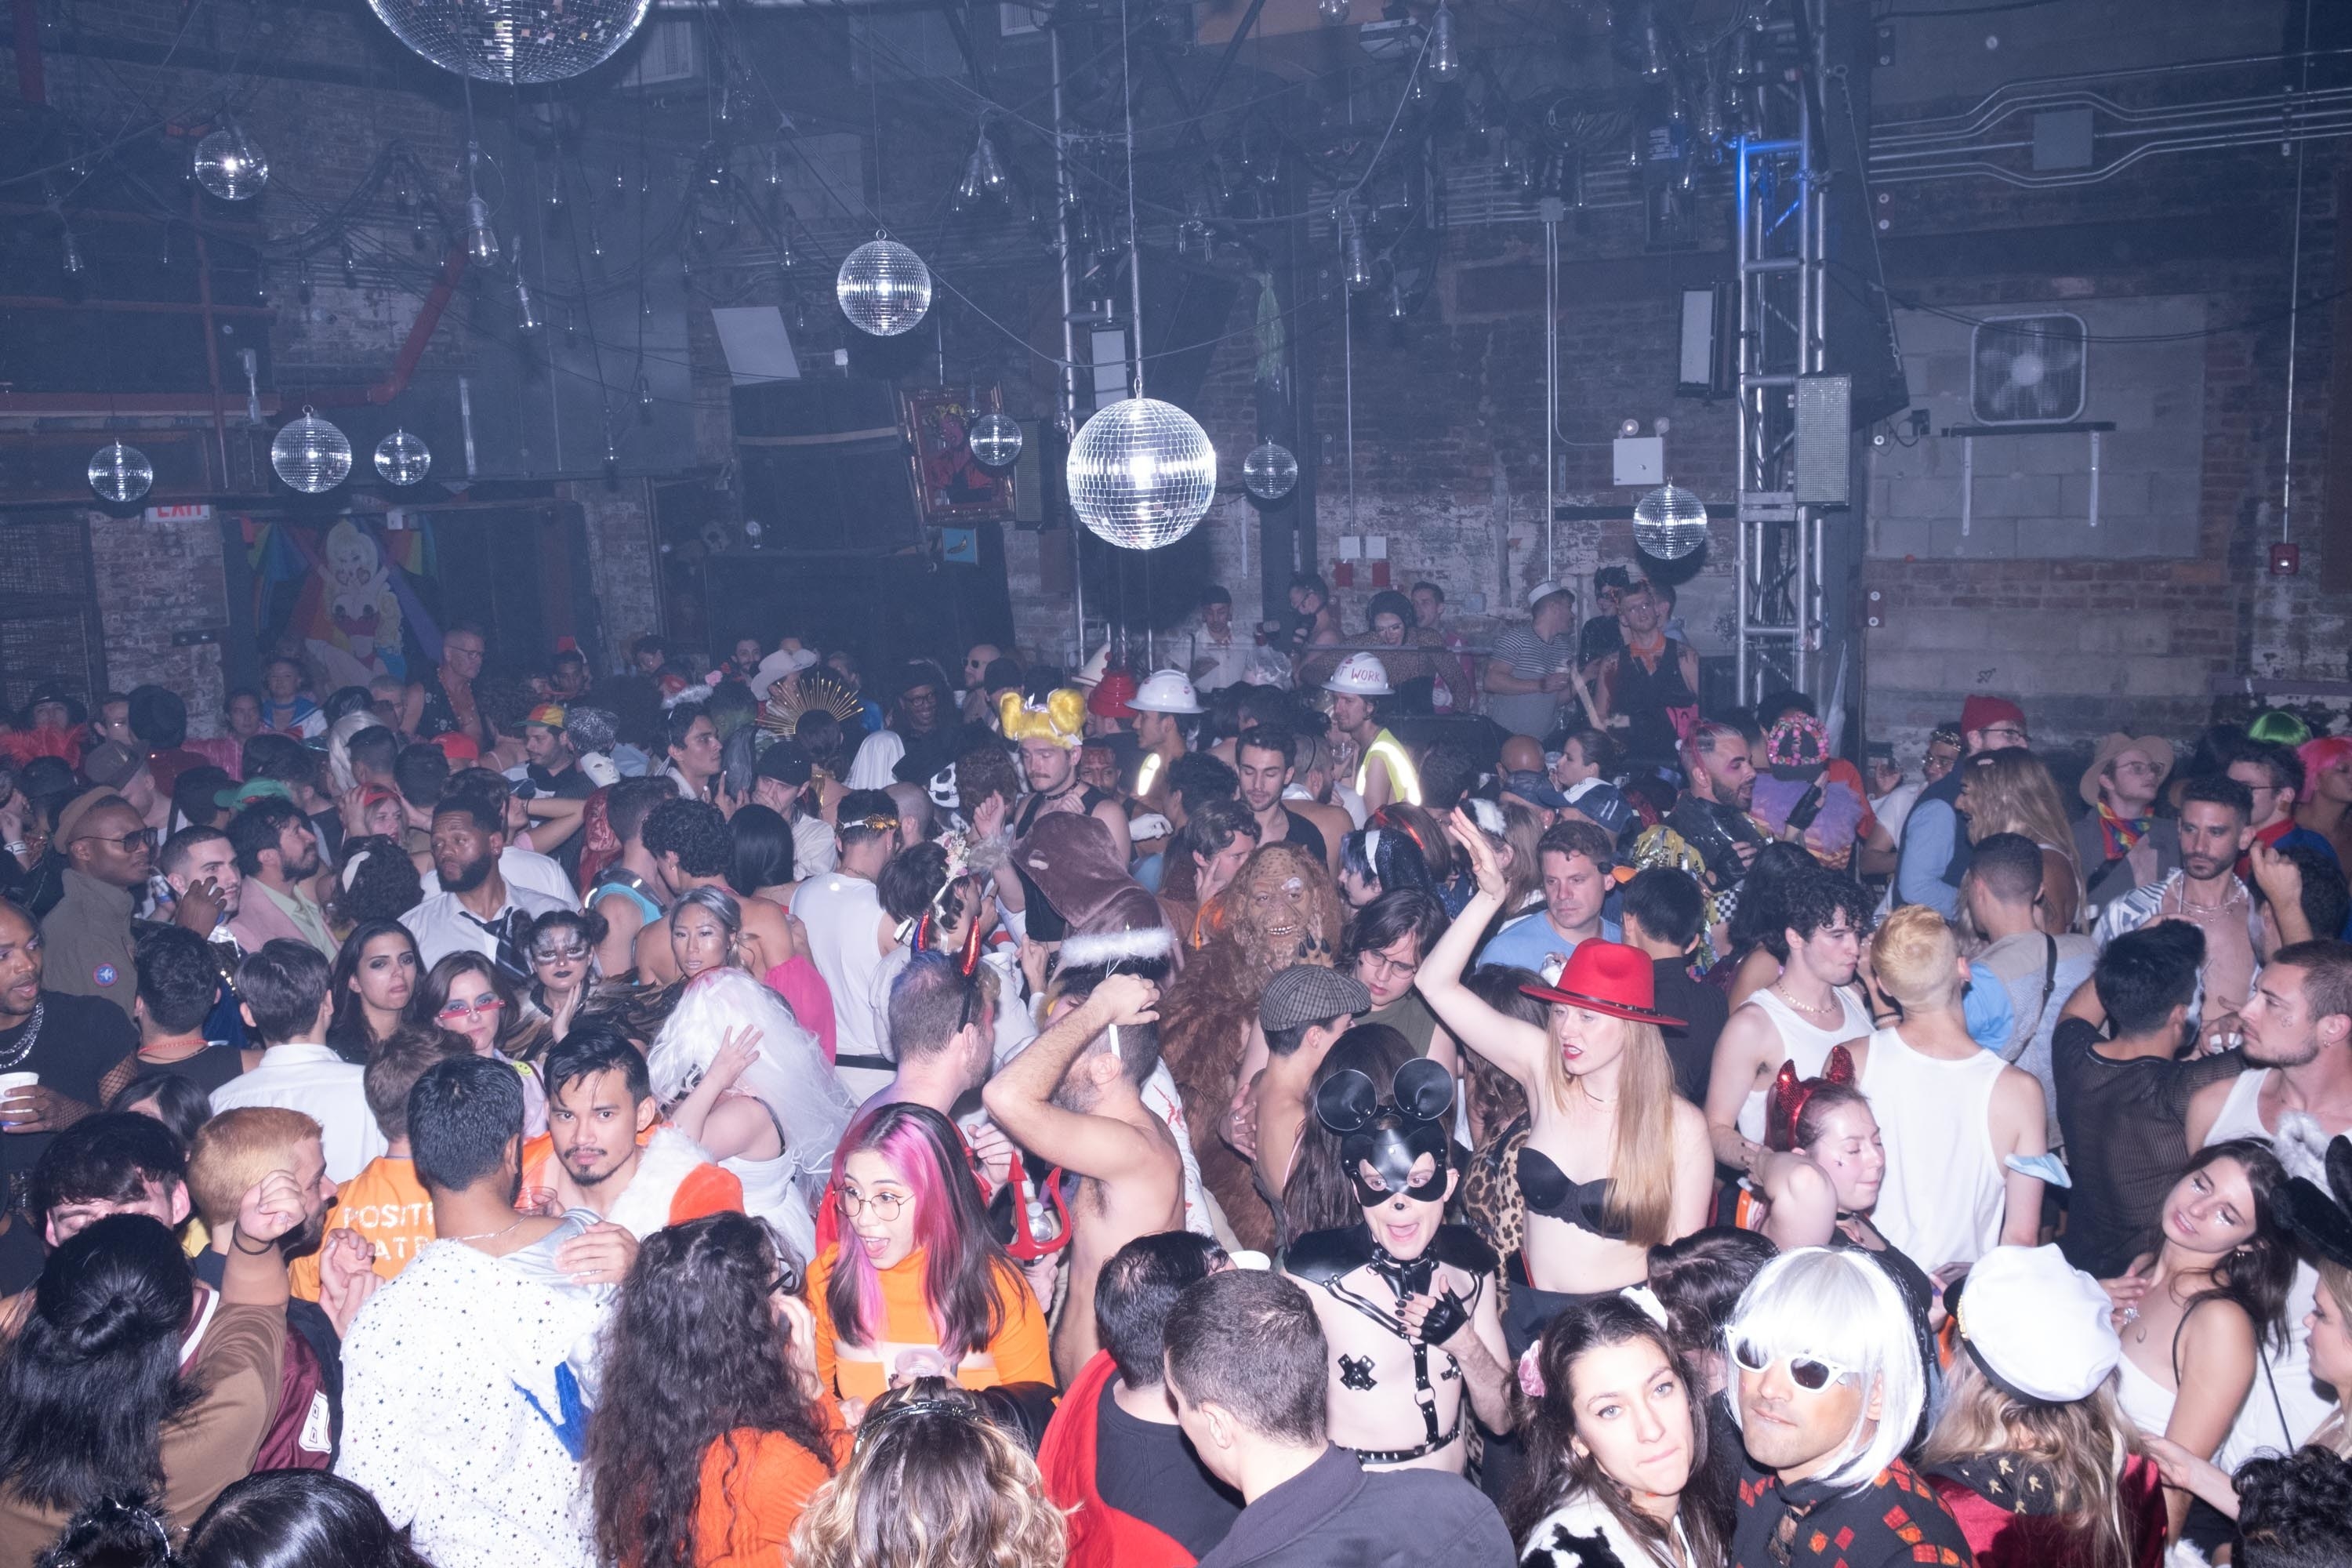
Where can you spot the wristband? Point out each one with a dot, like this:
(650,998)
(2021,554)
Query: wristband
(237,1241)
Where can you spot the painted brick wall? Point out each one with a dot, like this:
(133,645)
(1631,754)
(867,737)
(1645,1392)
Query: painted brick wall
(153,581)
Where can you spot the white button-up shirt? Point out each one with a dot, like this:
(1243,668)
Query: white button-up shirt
(323,1087)
(442,925)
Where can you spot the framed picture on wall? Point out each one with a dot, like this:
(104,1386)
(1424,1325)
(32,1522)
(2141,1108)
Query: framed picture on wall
(951,485)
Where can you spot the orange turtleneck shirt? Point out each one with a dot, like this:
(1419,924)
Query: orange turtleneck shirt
(1019,1353)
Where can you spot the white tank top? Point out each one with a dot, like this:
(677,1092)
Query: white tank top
(2301,1406)
(1942,1198)
(843,913)
(1807,1044)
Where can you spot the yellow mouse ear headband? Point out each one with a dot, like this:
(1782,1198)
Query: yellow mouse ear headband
(1061,717)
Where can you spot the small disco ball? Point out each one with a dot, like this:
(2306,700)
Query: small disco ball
(1669,523)
(1269,472)
(996,440)
(1141,473)
(230,166)
(520,42)
(120,473)
(884,287)
(310,455)
(403,459)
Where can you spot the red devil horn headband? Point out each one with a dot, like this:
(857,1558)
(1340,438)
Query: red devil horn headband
(1787,1105)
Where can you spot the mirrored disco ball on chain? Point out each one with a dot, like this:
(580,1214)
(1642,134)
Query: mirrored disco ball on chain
(120,473)
(230,166)
(310,455)
(1141,473)
(1669,523)
(1269,472)
(520,42)
(996,440)
(884,287)
(403,459)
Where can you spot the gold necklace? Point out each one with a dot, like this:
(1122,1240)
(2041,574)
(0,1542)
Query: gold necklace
(487,1234)
(1831,1011)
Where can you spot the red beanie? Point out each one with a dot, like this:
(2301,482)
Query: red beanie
(1981,713)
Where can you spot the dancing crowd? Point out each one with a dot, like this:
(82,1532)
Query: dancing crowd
(1327,1099)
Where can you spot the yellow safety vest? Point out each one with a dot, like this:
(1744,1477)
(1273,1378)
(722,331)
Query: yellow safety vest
(1402,780)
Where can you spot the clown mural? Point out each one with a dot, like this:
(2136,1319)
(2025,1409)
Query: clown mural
(361,637)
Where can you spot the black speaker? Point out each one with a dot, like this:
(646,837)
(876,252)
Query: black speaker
(826,466)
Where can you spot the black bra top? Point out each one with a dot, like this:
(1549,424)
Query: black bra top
(1548,1190)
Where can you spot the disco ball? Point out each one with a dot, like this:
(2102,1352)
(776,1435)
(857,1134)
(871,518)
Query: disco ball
(884,287)
(120,473)
(402,459)
(310,455)
(996,440)
(1669,523)
(1141,473)
(1269,472)
(520,42)
(230,166)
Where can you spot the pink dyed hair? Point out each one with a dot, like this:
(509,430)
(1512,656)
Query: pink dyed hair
(963,1263)
(2317,755)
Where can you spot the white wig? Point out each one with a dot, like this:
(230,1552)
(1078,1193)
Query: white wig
(1840,1306)
(790,1077)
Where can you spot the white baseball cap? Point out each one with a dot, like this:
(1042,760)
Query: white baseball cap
(1361,675)
(1166,691)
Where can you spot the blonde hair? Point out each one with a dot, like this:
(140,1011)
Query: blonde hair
(1642,1145)
(1917,956)
(233,1152)
(2009,791)
(1523,831)
(932,1484)
(2085,1443)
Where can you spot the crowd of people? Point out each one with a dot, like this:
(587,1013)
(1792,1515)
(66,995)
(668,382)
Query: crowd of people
(722,1115)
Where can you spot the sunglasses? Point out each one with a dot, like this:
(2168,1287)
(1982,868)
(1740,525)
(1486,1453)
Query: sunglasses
(487,1004)
(1811,1374)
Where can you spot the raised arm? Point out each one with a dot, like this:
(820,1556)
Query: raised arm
(1020,1098)
(1516,1048)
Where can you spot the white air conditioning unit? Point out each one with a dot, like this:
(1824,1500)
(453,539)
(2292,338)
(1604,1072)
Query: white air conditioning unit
(2028,370)
(672,53)
(1019,18)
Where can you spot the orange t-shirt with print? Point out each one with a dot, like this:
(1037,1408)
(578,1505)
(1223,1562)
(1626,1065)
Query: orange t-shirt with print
(387,1204)
(1019,1353)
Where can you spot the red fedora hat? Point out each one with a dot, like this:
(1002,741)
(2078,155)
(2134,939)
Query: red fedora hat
(1607,977)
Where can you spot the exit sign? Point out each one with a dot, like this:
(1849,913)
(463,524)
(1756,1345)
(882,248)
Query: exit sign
(196,513)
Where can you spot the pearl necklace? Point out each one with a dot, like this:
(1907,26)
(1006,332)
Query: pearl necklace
(1832,1011)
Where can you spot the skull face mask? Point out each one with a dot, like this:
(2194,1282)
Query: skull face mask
(1380,1143)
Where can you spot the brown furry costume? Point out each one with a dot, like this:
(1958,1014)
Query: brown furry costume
(1281,910)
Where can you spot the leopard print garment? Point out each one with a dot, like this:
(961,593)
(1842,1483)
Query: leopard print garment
(1491,1200)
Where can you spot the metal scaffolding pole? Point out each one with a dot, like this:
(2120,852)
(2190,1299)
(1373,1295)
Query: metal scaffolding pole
(1783,228)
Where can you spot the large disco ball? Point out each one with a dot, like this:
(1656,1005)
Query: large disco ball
(230,166)
(516,41)
(121,474)
(310,455)
(884,287)
(1141,473)
(996,440)
(1669,523)
(1269,472)
(403,459)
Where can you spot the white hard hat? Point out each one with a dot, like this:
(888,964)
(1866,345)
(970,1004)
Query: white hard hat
(1361,675)
(1166,691)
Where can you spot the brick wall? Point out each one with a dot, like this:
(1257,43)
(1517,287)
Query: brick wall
(155,580)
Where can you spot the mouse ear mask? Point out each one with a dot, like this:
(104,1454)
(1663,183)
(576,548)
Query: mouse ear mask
(1346,1102)
(1424,1090)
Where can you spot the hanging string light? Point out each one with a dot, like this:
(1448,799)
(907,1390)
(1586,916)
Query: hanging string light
(1443,61)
